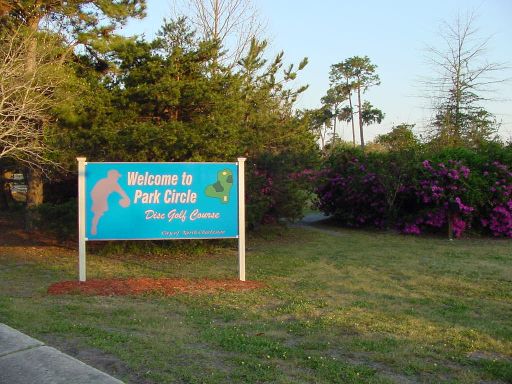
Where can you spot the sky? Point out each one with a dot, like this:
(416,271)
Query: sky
(394,34)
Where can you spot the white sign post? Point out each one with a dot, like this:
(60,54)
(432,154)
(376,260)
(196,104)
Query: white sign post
(81,218)
(241,217)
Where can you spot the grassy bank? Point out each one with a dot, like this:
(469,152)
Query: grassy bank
(351,307)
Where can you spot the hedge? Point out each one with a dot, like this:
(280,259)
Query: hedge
(452,190)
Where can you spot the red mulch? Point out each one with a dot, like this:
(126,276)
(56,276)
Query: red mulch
(140,286)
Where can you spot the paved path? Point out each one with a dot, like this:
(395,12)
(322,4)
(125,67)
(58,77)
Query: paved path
(24,360)
(312,220)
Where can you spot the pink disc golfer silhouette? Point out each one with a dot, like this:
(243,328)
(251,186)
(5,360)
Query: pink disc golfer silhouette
(100,194)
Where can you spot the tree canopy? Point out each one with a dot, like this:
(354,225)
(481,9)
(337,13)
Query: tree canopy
(353,75)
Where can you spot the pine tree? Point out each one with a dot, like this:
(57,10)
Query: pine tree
(77,22)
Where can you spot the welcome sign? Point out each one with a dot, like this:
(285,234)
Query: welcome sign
(150,201)
(133,201)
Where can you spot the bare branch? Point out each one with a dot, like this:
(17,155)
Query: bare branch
(234,23)
(26,96)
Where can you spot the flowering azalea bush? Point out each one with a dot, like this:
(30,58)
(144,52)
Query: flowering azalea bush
(417,195)
(355,195)
(497,215)
(441,191)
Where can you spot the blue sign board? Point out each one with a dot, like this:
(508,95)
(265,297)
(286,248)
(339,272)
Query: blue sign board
(142,201)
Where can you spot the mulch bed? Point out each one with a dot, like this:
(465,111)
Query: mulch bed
(141,286)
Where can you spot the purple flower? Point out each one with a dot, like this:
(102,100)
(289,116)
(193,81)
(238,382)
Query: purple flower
(458,226)
(453,174)
(436,218)
(411,229)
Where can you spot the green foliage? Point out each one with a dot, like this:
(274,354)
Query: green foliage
(358,72)
(355,74)
(171,99)
(401,138)
(370,114)
(89,22)
(277,188)
(81,24)
(463,127)
(59,219)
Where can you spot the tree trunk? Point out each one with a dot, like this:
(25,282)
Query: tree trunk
(216,19)
(360,107)
(334,127)
(349,87)
(34,188)
(34,176)
(34,197)
(450,226)
(4,204)
(323,132)
(352,120)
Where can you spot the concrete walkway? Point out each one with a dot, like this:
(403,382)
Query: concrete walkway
(24,360)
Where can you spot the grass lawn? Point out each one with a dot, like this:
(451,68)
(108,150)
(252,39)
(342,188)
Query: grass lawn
(345,307)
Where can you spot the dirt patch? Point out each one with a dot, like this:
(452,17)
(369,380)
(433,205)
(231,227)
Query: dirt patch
(141,286)
(13,233)
(484,355)
(95,357)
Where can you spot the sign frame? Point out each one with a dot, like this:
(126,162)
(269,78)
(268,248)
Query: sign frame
(82,239)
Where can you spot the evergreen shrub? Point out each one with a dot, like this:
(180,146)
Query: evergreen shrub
(277,187)
(60,219)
